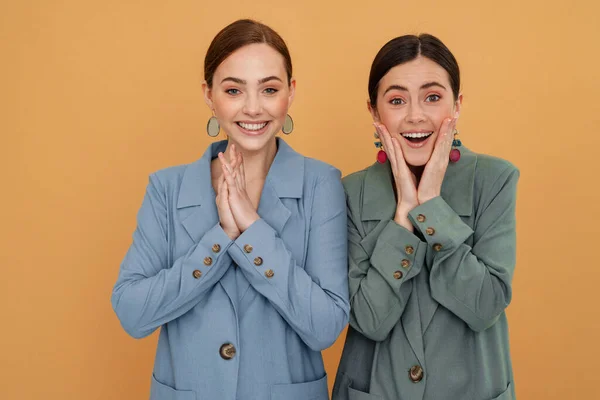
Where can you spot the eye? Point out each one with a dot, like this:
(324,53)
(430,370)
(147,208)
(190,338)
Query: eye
(271,90)
(397,101)
(432,98)
(232,92)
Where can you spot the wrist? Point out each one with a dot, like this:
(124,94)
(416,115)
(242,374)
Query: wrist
(247,222)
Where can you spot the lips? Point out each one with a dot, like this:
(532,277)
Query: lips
(253,128)
(416,139)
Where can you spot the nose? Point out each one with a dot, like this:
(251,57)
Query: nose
(415,113)
(252,106)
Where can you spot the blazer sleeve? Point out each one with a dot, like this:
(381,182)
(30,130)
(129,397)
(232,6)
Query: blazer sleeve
(382,264)
(149,292)
(313,300)
(473,283)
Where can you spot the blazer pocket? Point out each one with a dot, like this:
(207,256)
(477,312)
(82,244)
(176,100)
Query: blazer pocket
(343,390)
(315,390)
(160,391)
(506,395)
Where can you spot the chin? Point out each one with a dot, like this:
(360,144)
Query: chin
(253,144)
(417,160)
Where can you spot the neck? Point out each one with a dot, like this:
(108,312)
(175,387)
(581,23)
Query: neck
(256,163)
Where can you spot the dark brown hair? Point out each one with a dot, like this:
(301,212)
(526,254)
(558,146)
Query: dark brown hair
(406,48)
(237,35)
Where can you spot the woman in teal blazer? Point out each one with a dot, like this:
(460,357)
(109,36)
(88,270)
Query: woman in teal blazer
(241,256)
(431,244)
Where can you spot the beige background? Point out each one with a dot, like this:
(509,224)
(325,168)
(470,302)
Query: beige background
(95,95)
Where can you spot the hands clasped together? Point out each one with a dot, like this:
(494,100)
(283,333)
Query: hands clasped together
(236,211)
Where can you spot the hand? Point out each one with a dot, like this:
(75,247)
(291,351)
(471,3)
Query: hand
(242,209)
(435,170)
(405,180)
(225,215)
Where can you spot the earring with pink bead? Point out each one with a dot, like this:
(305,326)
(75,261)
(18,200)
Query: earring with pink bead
(381,154)
(455,152)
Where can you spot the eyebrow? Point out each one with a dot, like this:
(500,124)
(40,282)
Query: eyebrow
(243,82)
(424,86)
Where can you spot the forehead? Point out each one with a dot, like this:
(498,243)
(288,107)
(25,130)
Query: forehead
(414,73)
(253,61)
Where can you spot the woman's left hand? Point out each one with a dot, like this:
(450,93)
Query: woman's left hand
(241,206)
(430,185)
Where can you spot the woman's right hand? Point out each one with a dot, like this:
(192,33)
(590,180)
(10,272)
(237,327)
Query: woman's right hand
(405,180)
(224,209)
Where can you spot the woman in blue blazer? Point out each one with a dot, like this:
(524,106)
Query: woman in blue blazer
(241,256)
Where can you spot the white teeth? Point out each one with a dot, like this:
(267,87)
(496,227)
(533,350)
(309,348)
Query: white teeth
(252,127)
(416,135)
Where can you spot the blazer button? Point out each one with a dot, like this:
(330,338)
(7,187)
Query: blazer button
(416,373)
(248,249)
(430,231)
(216,248)
(405,263)
(409,249)
(197,274)
(437,247)
(421,218)
(258,261)
(269,273)
(398,274)
(207,261)
(227,351)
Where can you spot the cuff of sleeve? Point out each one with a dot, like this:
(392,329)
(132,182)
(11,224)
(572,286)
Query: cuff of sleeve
(211,251)
(440,225)
(398,254)
(255,243)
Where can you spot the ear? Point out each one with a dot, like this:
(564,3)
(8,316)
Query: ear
(207,95)
(458,105)
(373,111)
(292,92)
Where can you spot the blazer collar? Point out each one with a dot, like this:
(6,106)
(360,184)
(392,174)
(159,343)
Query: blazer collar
(379,201)
(285,177)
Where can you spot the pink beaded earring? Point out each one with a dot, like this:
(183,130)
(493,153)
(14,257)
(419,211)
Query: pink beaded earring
(455,152)
(381,154)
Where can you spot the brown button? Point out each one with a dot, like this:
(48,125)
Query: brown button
(248,248)
(216,248)
(207,261)
(258,261)
(405,263)
(421,218)
(397,274)
(227,351)
(409,249)
(269,273)
(197,274)
(430,231)
(416,373)
(437,247)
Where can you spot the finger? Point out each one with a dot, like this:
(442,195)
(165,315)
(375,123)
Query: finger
(233,156)
(241,170)
(403,169)
(443,138)
(224,164)
(226,171)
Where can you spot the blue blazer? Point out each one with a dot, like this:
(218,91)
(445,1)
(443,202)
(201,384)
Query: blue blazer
(245,318)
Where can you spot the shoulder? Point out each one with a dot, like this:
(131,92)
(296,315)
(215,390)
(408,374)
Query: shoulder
(317,170)
(491,170)
(169,178)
